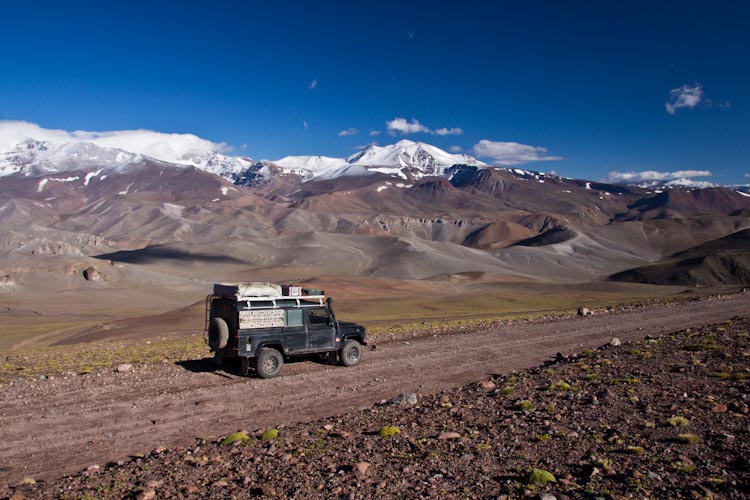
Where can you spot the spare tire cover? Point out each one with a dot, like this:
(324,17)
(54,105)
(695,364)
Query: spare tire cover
(218,334)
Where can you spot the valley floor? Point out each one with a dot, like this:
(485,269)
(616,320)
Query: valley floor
(585,413)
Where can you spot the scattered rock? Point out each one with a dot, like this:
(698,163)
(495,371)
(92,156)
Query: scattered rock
(91,274)
(584,311)
(125,367)
(361,468)
(449,435)
(487,385)
(719,408)
(615,342)
(404,398)
(146,495)
(268,490)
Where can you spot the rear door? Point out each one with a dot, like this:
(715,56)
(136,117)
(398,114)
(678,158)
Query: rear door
(321,333)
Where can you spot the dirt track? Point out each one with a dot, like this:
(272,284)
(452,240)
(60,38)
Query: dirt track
(54,427)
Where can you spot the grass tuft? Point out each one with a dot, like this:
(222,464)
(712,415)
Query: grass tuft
(269,435)
(388,431)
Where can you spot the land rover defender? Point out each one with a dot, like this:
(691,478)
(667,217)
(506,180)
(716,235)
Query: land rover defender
(262,325)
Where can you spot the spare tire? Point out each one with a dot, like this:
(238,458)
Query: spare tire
(218,334)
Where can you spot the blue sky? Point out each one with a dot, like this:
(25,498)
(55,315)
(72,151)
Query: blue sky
(589,82)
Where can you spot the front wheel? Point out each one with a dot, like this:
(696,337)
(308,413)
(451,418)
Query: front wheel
(351,353)
(268,363)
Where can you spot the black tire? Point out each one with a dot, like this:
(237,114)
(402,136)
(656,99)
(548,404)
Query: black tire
(351,353)
(268,363)
(218,334)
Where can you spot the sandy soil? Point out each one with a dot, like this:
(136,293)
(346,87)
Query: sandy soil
(60,426)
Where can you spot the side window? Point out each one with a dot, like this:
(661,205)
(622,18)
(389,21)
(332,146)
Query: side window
(317,316)
(293,317)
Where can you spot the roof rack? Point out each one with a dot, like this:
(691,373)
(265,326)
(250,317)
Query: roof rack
(297,299)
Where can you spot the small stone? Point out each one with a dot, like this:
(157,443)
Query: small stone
(584,311)
(547,496)
(125,367)
(487,385)
(328,427)
(719,408)
(158,450)
(268,490)
(615,342)
(449,435)
(92,468)
(146,495)
(361,468)
(405,398)
(153,484)
(220,484)
(337,490)
(444,399)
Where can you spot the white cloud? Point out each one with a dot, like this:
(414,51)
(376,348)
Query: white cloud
(410,35)
(688,96)
(653,175)
(373,133)
(173,148)
(304,123)
(456,149)
(747,175)
(402,126)
(243,147)
(449,131)
(347,132)
(511,153)
(313,84)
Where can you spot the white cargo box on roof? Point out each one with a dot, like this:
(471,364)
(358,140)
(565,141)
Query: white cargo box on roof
(249,289)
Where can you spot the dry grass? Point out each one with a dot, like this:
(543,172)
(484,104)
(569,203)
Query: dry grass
(431,313)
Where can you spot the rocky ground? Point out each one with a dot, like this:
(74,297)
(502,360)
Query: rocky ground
(660,418)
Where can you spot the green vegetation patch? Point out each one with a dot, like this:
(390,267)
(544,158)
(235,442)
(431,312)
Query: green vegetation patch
(269,435)
(388,431)
(235,437)
(677,421)
(539,477)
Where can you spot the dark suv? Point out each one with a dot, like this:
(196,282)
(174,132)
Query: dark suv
(261,331)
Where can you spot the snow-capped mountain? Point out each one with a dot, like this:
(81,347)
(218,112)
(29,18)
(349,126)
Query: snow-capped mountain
(32,157)
(229,167)
(406,159)
(682,183)
(40,157)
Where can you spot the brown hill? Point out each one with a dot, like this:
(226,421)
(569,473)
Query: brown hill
(725,261)
(681,203)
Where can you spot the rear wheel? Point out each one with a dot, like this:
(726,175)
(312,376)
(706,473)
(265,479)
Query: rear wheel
(268,363)
(351,353)
(218,334)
